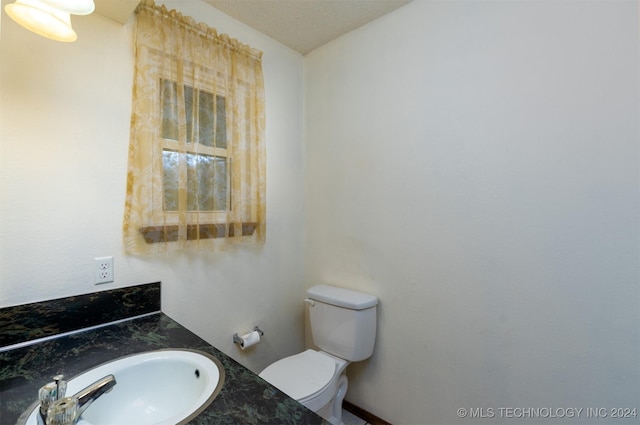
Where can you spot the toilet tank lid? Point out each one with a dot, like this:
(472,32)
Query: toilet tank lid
(342,297)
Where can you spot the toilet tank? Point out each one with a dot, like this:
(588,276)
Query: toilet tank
(343,321)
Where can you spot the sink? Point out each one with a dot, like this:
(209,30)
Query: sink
(163,387)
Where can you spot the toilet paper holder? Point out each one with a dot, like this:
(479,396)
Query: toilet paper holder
(238,340)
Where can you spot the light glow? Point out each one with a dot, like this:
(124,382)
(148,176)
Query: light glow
(41,18)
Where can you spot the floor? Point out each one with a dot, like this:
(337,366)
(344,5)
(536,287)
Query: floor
(350,419)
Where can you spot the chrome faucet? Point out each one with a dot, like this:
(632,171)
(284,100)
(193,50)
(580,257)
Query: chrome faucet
(56,409)
(91,393)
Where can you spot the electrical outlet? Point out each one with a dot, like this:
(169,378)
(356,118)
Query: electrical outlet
(103,269)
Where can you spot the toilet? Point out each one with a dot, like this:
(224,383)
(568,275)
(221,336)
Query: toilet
(343,327)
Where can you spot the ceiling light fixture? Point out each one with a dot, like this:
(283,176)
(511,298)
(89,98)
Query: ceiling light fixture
(49,18)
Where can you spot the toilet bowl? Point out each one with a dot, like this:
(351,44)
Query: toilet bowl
(314,378)
(343,327)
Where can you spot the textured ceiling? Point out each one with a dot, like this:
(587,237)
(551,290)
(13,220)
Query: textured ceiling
(304,25)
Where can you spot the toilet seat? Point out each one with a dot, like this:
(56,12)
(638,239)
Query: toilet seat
(302,376)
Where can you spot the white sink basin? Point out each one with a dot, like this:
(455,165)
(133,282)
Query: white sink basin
(164,387)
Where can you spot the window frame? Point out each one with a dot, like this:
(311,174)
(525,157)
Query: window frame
(201,82)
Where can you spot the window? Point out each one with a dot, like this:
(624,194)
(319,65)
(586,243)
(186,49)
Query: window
(207,173)
(196,174)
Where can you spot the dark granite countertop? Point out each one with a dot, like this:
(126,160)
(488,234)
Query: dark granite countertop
(245,398)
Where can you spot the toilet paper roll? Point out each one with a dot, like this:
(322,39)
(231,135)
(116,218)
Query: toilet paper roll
(249,340)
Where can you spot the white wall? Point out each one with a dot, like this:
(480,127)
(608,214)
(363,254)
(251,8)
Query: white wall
(475,164)
(65,111)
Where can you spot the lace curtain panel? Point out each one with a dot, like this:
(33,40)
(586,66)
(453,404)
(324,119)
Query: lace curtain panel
(196,173)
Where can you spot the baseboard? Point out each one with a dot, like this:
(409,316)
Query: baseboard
(363,414)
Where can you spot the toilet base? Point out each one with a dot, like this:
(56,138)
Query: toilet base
(332,411)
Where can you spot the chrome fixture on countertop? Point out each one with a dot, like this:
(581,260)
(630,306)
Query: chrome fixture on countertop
(56,409)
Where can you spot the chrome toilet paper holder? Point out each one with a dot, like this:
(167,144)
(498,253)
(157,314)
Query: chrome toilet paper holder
(238,340)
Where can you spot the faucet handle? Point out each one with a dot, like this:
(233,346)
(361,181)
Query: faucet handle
(63,412)
(47,395)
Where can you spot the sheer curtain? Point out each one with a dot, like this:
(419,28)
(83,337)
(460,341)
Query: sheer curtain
(196,173)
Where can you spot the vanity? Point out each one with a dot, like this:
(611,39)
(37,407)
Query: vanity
(72,335)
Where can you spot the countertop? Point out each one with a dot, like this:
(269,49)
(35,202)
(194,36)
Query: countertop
(245,398)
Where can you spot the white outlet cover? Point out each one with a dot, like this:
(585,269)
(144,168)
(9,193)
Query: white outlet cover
(103,269)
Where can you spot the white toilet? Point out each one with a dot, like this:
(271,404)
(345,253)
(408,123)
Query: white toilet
(343,326)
